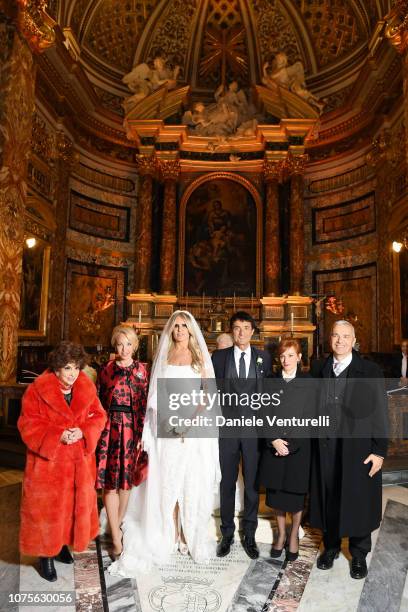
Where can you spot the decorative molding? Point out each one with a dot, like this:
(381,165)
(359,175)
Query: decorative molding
(396,25)
(147,165)
(36,25)
(169,170)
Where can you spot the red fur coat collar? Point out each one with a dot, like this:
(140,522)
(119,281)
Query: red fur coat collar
(48,388)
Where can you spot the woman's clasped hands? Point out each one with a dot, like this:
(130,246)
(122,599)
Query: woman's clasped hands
(69,436)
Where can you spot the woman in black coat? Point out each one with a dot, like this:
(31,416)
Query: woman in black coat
(285,461)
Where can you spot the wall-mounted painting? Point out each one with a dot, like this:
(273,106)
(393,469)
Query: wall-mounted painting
(94,302)
(220,240)
(34,290)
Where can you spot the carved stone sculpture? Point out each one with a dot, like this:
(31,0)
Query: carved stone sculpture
(143,80)
(230,115)
(289,77)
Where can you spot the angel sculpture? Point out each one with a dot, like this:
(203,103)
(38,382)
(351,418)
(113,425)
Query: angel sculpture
(143,80)
(291,78)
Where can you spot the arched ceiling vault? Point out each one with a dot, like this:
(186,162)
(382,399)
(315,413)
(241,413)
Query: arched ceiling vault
(115,34)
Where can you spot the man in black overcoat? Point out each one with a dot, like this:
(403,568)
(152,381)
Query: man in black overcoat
(240,368)
(346,488)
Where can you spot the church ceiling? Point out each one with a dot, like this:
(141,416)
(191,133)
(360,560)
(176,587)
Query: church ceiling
(209,38)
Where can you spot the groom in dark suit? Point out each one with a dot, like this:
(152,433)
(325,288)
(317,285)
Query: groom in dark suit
(241,369)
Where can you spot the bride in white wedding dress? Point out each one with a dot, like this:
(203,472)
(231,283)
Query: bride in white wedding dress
(171,510)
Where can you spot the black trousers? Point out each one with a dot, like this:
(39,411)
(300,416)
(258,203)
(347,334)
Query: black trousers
(332,474)
(231,451)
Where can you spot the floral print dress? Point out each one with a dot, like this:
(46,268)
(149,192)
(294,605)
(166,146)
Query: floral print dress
(123,393)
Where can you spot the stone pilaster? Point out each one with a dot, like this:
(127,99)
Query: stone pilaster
(66,158)
(170,171)
(147,167)
(273,175)
(296,167)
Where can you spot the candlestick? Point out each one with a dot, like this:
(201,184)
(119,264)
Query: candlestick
(187,300)
(203,302)
(291,323)
(252,299)
(234,301)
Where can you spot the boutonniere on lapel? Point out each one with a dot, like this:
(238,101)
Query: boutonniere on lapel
(259,364)
(139,375)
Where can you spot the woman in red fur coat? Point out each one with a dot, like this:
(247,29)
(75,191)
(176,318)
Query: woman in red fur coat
(60,423)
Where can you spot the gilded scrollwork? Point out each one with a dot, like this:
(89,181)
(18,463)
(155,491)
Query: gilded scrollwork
(169,169)
(173,32)
(396,25)
(296,164)
(16,118)
(146,165)
(36,25)
(274,31)
(274,170)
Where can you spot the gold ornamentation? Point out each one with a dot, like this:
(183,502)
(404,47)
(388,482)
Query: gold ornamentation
(115,28)
(172,34)
(396,28)
(169,170)
(296,164)
(36,25)
(334,27)
(65,149)
(274,170)
(146,165)
(224,48)
(275,31)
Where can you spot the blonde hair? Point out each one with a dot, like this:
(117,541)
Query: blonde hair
(129,332)
(197,358)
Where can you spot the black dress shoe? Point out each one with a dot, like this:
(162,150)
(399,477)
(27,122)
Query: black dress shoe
(224,546)
(358,568)
(47,569)
(326,559)
(64,556)
(250,547)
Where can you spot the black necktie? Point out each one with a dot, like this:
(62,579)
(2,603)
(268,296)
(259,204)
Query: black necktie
(242,369)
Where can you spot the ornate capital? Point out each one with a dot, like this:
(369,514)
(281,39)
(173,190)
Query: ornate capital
(396,25)
(296,164)
(169,169)
(146,165)
(65,149)
(274,170)
(35,24)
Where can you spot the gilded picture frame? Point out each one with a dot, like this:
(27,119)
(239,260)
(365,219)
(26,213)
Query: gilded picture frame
(34,290)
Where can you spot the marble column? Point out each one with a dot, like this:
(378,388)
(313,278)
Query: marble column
(17,80)
(273,174)
(66,159)
(170,171)
(147,167)
(296,166)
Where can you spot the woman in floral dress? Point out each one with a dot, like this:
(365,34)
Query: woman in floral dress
(122,385)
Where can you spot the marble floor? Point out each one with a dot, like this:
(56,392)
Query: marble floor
(232,584)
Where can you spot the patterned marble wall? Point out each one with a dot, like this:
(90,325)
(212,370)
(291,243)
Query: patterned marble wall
(100,247)
(341,246)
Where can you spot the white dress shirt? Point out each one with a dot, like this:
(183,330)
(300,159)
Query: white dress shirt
(340,365)
(404,366)
(247,358)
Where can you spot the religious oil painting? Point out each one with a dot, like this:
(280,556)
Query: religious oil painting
(34,289)
(94,303)
(220,244)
